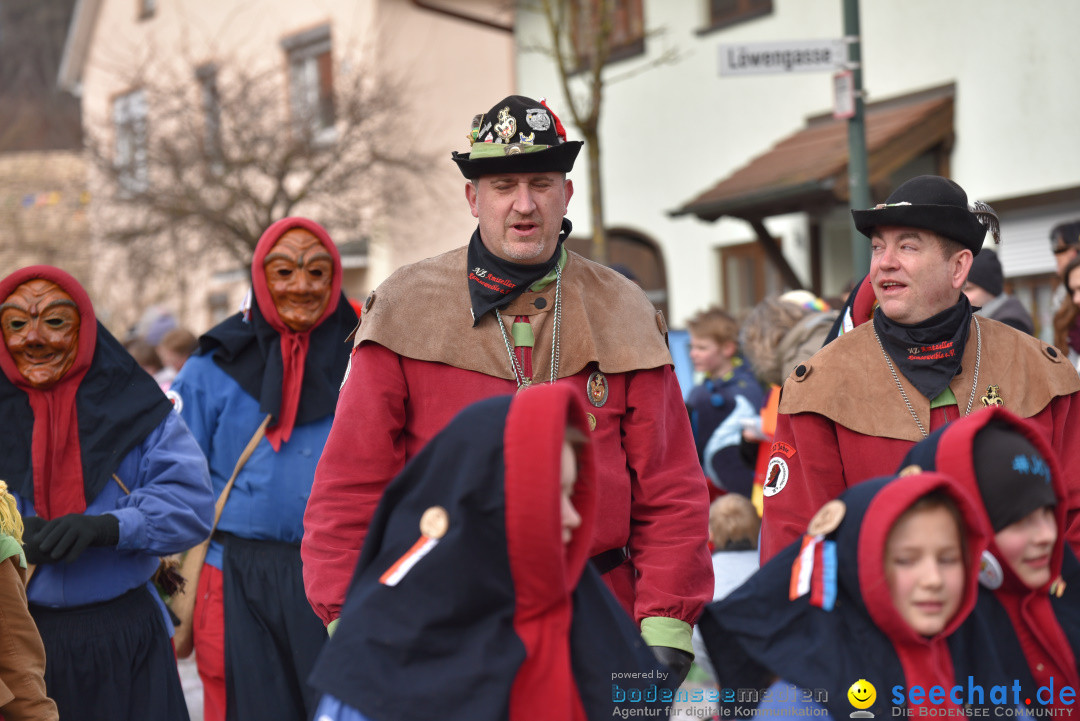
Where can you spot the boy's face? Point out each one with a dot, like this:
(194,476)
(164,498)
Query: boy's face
(924,567)
(569,515)
(1026,546)
(710,357)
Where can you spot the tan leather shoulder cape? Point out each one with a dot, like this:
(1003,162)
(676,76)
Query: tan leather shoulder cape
(849,382)
(423,312)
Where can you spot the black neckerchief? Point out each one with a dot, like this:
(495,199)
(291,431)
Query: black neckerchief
(249,351)
(928,353)
(118,405)
(494,282)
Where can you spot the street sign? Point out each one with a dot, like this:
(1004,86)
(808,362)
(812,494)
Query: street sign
(791,56)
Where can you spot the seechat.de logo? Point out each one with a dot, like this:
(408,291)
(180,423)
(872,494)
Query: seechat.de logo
(862,695)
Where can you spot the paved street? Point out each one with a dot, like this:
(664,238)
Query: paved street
(687,710)
(189,678)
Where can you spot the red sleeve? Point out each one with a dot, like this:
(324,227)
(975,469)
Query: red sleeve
(1063,418)
(805,470)
(364,451)
(669,500)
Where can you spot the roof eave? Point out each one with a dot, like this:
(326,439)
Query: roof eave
(77,45)
(757,204)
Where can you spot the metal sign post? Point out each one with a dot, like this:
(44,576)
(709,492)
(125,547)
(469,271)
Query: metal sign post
(801,56)
(858,172)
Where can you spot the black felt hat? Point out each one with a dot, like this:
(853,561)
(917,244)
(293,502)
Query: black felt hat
(1014,478)
(929,202)
(518,135)
(986,273)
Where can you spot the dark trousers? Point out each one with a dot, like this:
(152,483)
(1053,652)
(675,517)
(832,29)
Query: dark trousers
(272,637)
(111,661)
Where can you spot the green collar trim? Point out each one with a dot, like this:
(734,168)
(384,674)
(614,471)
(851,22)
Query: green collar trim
(523,335)
(550,277)
(945,398)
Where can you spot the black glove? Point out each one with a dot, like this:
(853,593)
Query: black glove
(31,526)
(677,661)
(66,537)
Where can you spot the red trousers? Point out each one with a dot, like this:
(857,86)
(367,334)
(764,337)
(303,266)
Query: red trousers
(208,635)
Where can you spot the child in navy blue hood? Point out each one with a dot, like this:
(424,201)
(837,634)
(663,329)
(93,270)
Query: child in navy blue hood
(1028,612)
(870,597)
(473,598)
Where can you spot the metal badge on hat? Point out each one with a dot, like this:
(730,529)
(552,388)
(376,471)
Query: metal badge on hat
(507,126)
(537,119)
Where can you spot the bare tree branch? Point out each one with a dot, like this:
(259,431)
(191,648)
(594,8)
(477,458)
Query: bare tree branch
(220,190)
(581,72)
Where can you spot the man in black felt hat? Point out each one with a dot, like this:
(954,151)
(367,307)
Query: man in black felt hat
(854,409)
(512,308)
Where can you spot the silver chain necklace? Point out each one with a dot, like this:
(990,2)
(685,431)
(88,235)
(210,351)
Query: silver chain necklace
(907,402)
(519,372)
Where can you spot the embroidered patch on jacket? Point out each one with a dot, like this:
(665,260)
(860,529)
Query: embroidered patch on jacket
(177,401)
(597,389)
(776,477)
(780,447)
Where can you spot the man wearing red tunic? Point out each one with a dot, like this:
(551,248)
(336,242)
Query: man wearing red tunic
(512,308)
(854,409)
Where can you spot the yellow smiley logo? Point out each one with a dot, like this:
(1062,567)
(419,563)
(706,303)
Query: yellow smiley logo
(862,694)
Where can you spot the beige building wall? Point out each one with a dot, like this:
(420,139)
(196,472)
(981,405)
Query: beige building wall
(43,212)
(457,69)
(449,69)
